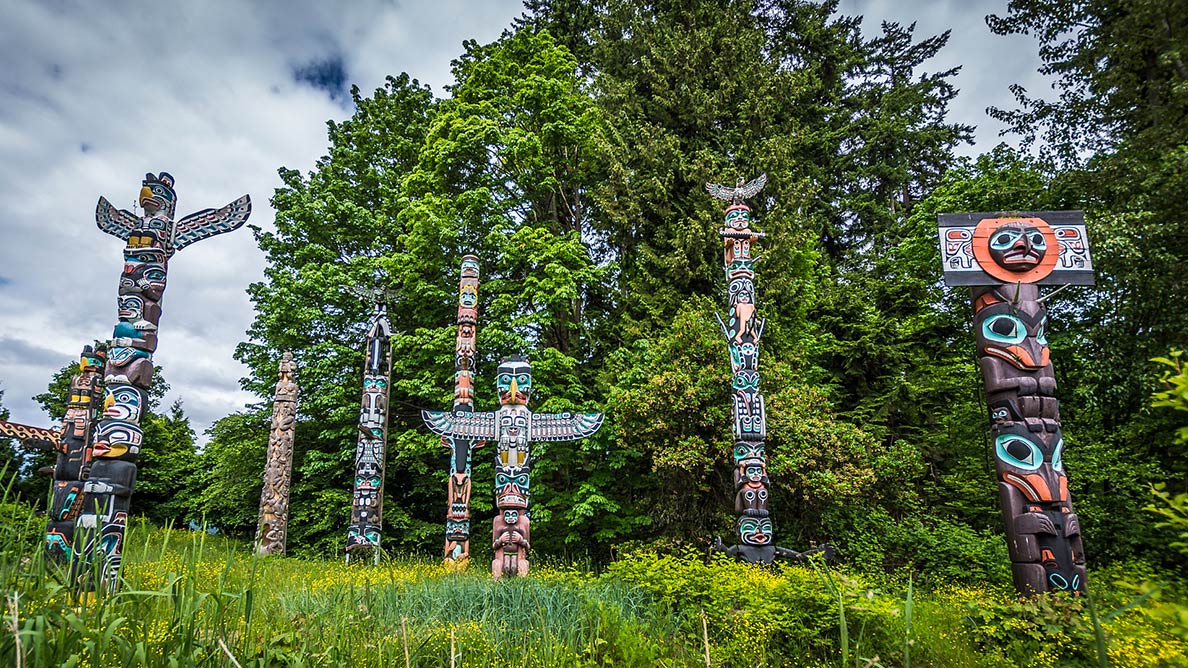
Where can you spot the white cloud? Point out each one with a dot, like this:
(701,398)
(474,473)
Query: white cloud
(93,95)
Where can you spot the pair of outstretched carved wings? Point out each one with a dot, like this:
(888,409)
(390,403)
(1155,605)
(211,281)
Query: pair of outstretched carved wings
(738,193)
(541,426)
(194,227)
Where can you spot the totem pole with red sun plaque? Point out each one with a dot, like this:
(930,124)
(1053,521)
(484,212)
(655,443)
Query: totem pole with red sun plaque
(1004,258)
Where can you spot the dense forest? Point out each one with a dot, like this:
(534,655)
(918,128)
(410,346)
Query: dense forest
(569,156)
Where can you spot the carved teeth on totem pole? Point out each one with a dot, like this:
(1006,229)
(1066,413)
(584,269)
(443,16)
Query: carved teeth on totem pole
(743,330)
(513,428)
(273,526)
(116,438)
(1004,258)
(367,502)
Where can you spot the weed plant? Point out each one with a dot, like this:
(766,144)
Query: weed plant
(189,599)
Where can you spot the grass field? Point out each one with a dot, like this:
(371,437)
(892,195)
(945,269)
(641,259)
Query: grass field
(189,599)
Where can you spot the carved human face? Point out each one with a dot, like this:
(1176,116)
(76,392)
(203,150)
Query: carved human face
(738,217)
(754,530)
(1018,247)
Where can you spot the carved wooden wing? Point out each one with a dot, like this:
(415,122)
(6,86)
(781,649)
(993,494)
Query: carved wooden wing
(751,189)
(31,437)
(564,426)
(473,426)
(209,222)
(720,191)
(116,222)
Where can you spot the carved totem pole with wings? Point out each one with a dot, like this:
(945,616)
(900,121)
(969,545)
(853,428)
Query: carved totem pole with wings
(1004,258)
(115,444)
(742,330)
(512,428)
(367,503)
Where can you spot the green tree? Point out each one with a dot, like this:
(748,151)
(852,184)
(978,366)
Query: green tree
(232,475)
(498,169)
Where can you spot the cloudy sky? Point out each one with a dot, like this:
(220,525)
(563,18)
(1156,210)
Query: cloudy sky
(221,94)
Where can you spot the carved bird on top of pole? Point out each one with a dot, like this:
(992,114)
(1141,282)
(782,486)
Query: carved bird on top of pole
(739,192)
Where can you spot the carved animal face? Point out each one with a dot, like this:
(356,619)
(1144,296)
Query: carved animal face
(123,402)
(157,194)
(511,490)
(1014,335)
(1032,462)
(513,379)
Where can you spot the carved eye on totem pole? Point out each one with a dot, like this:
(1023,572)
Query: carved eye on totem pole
(513,379)
(751,498)
(1032,462)
(1015,336)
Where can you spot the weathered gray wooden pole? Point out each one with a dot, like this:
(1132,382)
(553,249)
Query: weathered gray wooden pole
(273,528)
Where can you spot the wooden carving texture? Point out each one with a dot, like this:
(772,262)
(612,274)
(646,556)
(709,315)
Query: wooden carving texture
(272,530)
(151,240)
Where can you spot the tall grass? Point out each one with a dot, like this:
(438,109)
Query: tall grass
(188,599)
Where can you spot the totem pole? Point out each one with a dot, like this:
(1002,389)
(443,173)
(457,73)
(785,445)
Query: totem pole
(367,505)
(742,331)
(115,446)
(73,444)
(1005,257)
(513,428)
(272,531)
(457,523)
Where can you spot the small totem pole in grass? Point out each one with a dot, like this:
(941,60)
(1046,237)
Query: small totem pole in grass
(457,524)
(367,505)
(73,444)
(1005,257)
(278,467)
(513,428)
(151,240)
(742,330)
